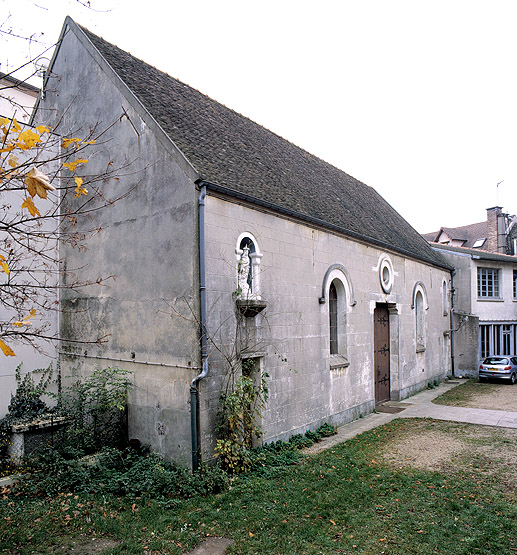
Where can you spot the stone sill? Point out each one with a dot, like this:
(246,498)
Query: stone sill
(250,307)
(338,362)
(420,349)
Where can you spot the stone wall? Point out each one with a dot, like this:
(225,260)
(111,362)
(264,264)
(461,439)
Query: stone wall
(145,314)
(292,333)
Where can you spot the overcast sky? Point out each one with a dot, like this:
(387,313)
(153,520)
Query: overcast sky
(417,99)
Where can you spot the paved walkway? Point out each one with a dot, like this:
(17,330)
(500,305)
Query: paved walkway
(419,406)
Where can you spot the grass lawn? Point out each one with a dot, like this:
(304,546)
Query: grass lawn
(373,494)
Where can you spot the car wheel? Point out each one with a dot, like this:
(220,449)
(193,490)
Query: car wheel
(513,379)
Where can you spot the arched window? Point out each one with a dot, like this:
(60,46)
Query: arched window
(337,312)
(248,262)
(419,316)
(420,306)
(333,319)
(338,295)
(445,299)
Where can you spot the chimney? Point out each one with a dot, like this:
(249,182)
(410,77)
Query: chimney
(495,220)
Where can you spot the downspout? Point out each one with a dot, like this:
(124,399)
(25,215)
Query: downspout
(453,293)
(194,392)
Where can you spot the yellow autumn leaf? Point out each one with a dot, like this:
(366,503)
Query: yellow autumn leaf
(67,142)
(72,165)
(25,321)
(42,129)
(8,352)
(13,161)
(4,122)
(31,207)
(27,139)
(16,126)
(37,183)
(5,267)
(79,190)
(92,142)
(9,148)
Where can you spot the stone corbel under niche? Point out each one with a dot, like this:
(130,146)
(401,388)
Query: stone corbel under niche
(250,307)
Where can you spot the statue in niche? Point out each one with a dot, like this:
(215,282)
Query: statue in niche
(244,273)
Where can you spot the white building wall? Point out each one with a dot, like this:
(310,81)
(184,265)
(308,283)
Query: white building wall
(505,307)
(304,391)
(497,316)
(16,101)
(41,353)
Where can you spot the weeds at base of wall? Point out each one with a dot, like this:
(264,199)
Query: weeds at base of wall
(130,471)
(239,419)
(137,472)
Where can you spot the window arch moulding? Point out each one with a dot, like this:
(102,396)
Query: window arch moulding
(340,272)
(419,286)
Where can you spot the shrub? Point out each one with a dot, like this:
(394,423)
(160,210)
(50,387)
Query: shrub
(95,407)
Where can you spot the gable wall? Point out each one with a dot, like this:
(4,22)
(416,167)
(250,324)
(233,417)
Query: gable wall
(304,392)
(148,242)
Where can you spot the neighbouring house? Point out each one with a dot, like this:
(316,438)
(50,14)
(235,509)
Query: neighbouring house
(234,245)
(497,234)
(484,305)
(485,287)
(17,99)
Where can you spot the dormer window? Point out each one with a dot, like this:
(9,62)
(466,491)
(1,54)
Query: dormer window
(479,243)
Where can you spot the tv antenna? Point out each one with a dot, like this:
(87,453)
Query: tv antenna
(41,66)
(497,192)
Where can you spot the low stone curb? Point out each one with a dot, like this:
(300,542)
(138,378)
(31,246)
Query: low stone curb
(9,480)
(212,546)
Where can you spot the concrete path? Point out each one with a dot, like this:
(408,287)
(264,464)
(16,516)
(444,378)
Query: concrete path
(419,406)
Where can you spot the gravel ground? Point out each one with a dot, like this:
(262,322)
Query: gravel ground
(446,447)
(434,446)
(492,396)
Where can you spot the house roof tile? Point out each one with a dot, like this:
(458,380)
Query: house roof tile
(476,254)
(467,233)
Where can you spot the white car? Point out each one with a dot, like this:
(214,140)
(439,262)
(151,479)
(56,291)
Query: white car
(501,368)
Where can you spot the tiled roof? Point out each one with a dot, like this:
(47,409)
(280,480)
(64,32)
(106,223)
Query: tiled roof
(477,254)
(235,153)
(468,233)
(23,85)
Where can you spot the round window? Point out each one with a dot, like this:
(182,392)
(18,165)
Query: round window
(386,275)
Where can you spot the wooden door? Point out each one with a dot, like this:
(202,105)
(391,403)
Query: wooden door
(381,355)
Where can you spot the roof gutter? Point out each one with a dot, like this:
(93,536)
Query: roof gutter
(194,390)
